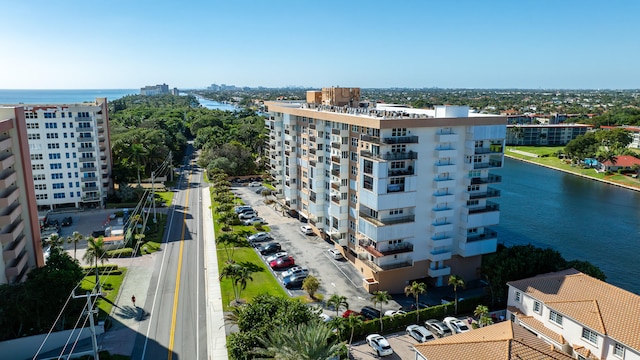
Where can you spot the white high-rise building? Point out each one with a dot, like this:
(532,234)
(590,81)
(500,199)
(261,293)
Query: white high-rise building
(70,153)
(406,194)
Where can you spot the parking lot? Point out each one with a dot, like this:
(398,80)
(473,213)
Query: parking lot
(401,343)
(310,251)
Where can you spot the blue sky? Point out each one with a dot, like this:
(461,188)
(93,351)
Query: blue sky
(79,44)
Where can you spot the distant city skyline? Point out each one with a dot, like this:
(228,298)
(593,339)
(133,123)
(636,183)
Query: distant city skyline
(426,44)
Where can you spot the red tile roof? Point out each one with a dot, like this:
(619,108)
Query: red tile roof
(623,161)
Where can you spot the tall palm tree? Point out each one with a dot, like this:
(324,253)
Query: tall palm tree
(239,276)
(456,281)
(230,241)
(379,298)
(308,341)
(415,289)
(338,301)
(353,322)
(95,252)
(482,313)
(75,238)
(54,240)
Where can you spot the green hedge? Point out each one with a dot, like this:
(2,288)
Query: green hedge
(397,323)
(124,252)
(103,269)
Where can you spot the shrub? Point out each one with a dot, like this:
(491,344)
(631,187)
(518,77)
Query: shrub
(124,252)
(102,269)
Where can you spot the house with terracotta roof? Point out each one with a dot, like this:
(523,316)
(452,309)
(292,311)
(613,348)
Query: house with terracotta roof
(624,162)
(504,340)
(578,314)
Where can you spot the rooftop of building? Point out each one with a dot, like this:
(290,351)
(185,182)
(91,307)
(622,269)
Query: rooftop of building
(504,340)
(602,307)
(562,125)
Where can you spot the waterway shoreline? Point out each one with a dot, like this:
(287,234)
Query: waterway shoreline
(576,174)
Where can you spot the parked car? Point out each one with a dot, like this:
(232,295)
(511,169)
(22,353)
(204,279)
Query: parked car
(335,254)
(296,270)
(394,312)
(457,326)
(270,248)
(437,327)
(370,313)
(247,215)
(420,333)
(421,304)
(281,263)
(255,183)
(276,256)
(52,222)
(97,233)
(306,229)
(379,344)
(259,237)
(325,318)
(253,221)
(260,190)
(242,208)
(294,282)
(67,221)
(348,313)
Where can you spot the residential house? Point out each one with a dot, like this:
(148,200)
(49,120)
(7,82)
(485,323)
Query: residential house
(623,162)
(576,313)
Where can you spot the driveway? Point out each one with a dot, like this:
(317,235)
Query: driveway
(401,344)
(336,276)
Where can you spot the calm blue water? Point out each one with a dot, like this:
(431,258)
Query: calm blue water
(214,105)
(61,96)
(582,219)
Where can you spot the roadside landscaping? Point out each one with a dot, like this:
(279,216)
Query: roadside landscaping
(111,277)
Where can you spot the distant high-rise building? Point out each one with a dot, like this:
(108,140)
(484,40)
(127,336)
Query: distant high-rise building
(155,90)
(19,226)
(405,194)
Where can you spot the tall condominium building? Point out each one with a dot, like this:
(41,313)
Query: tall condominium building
(19,228)
(70,153)
(406,194)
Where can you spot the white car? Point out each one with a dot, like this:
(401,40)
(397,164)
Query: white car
(379,344)
(296,270)
(306,229)
(394,312)
(335,254)
(420,333)
(258,237)
(255,184)
(324,317)
(456,325)
(253,221)
(276,256)
(247,215)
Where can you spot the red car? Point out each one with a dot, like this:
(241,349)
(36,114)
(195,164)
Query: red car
(282,263)
(348,313)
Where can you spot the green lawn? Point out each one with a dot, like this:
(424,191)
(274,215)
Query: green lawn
(110,288)
(538,150)
(166,196)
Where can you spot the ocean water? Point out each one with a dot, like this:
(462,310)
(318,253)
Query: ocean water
(13,97)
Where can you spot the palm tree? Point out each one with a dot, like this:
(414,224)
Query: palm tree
(482,313)
(230,241)
(337,301)
(456,281)
(54,240)
(380,297)
(310,341)
(95,252)
(353,322)
(239,276)
(137,154)
(415,289)
(75,238)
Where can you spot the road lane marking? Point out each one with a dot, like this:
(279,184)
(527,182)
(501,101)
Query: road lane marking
(174,313)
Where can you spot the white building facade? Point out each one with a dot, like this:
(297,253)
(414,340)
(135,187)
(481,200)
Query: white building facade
(70,154)
(406,194)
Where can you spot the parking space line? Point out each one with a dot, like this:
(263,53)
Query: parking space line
(343,273)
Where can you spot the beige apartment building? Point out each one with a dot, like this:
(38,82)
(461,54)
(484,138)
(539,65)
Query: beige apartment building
(405,194)
(19,227)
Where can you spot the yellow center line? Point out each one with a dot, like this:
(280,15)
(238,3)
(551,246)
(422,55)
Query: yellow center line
(177,291)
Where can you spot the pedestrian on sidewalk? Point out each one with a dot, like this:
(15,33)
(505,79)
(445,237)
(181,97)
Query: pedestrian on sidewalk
(133,300)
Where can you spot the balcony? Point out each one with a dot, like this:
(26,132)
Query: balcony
(312,163)
(5,144)
(391,188)
(18,266)
(10,216)
(388,221)
(86,149)
(441,240)
(312,126)
(335,145)
(443,136)
(90,178)
(335,172)
(8,197)
(84,129)
(407,155)
(335,131)
(444,197)
(335,159)
(384,267)
(445,151)
(487,234)
(85,169)
(490,193)
(89,188)
(7,178)
(444,183)
(445,167)
(312,151)
(441,227)
(439,255)
(400,140)
(335,185)
(85,159)
(491,179)
(441,212)
(479,244)
(492,149)
(14,249)
(12,233)
(490,207)
(90,198)
(401,172)
(312,139)
(7,161)
(370,247)
(488,165)
(438,272)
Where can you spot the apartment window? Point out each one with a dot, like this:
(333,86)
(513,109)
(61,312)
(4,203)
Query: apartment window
(33,136)
(367,168)
(354,170)
(355,128)
(354,142)
(518,296)
(590,336)
(42,196)
(396,211)
(367,182)
(537,307)
(399,132)
(618,350)
(555,317)
(354,198)
(41,186)
(39,177)
(29,115)
(58,195)
(473,202)
(398,148)
(58,186)
(472,188)
(37,166)
(354,156)
(396,181)
(36,156)
(33,126)
(397,164)
(53,146)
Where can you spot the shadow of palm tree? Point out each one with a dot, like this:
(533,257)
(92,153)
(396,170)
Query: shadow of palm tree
(132,312)
(252,266)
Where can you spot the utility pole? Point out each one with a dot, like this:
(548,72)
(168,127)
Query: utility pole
(153,195)
(90,312)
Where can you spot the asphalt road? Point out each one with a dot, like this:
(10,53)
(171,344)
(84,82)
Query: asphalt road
(176,326)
